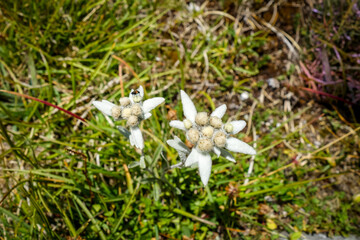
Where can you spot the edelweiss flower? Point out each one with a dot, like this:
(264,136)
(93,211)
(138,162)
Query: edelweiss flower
(208,134)
(133,110)
(193,7)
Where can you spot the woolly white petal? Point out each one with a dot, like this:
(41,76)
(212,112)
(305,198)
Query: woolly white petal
(131,138)
(141,90)
(151,103)
(147,115)
(188,107)
(137,137)
(178,145)
(131,96)
(217,151)
(235,145)
(219,111)
(192,158)
(238,126)
(177,124)
(205,167)
(227,155)
(104,106)
(195,165)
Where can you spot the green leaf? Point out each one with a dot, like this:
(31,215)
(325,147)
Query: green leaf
(295,235)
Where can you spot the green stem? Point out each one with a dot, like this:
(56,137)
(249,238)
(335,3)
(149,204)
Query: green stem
(192,216)
(117,225)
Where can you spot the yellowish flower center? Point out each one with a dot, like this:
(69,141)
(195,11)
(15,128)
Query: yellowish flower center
(229,127)
(125,101)
(207,131)
(126,113)
(193,135)
(205,145)
(220,139)
(215,122)
(133,121)
(202,118)
(187,123)
(115,112)
(136,109)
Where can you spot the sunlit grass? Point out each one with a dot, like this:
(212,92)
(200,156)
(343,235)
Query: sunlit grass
(63,178)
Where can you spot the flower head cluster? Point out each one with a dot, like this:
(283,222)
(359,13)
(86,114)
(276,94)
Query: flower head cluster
(208,134)
(133,110)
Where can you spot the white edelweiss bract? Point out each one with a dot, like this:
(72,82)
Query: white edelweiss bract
(193,157)
(104,106)
(133,110)
(147,115)
(152,103)
(188,107)
(137,138)
(208,134)
(205,164)
(238,126)
(236,145)
(219,111)
(178,124)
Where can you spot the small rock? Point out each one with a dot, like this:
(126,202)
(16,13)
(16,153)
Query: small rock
(244,96)
(273,82)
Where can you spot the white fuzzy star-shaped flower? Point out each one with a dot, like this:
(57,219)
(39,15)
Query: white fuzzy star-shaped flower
(133,110)
(207,134)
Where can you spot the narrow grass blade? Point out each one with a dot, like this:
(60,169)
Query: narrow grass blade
(90,216)
(117,225)
(192,216)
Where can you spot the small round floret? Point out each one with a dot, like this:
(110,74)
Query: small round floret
(115,112)
(207,131)
(187,123)
(133,121)
(229,127)
(126,113)
(136,109)
(202,118)
(193,135)
(205,145)
(137,98)
(220,139)
(124,101)
(215,122)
